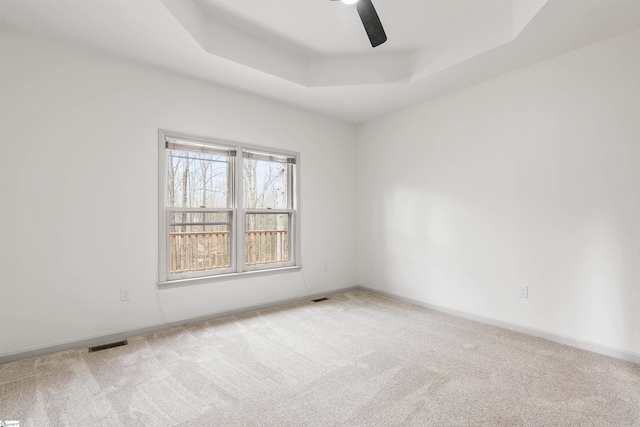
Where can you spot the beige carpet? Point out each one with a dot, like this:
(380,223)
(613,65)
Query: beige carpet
(358,359)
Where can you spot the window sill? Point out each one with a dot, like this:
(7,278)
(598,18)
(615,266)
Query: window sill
(224,277)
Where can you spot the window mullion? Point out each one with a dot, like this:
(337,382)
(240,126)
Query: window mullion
(290,186)
(238,203)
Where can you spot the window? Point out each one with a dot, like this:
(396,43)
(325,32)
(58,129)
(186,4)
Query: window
(268,203)
(224,208)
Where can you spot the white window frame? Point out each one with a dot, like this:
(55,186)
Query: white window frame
(259,154)
(238,213)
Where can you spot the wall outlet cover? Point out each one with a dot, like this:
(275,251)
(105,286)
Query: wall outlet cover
(523,291)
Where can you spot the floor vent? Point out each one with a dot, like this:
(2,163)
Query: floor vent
(106,346)
(320,299)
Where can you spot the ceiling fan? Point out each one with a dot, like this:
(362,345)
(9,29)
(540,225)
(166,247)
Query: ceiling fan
(370,20)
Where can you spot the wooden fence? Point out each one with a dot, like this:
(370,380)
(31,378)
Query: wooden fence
(209,250)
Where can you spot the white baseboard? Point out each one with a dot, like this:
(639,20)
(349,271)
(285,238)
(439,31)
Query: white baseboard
(122,335)
(101,339)
(572,342)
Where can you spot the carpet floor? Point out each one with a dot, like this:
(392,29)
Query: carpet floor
(357,359)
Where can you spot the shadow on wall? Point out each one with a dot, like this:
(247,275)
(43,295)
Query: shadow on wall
(599,270)
(437,248)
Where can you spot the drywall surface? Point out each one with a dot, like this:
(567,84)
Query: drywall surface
(79,185)
(530,179)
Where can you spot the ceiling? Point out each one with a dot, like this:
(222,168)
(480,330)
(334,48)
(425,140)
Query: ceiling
(321,27)
(315,53)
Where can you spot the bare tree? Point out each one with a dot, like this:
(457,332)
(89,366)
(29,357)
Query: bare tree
(172,180)
(185,184)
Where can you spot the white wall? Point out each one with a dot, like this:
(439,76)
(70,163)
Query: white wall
(532,178)
(79,193)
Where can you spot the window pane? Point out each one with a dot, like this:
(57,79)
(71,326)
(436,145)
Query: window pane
(199,241)
(198,180)
(267,238)
(266,184)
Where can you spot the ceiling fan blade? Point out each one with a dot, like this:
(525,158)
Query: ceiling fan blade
(371,22)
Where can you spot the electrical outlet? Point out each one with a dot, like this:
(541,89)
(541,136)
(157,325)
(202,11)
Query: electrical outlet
(124,294)
(523,291)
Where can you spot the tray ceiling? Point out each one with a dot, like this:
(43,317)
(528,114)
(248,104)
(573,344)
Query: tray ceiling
(315,54)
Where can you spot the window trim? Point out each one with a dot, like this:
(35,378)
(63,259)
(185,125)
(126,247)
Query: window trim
(238,268)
